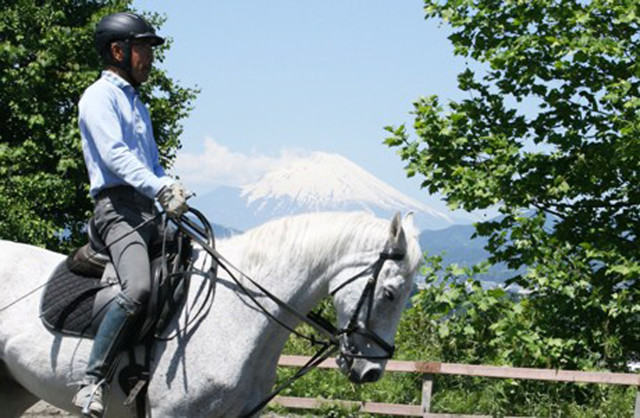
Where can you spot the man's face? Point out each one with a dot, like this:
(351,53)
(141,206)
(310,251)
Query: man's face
(141,60)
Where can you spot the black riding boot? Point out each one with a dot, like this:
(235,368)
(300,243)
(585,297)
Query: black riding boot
(106,345)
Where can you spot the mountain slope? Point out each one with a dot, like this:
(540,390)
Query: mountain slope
(321,182)
(328,180)
(456,247)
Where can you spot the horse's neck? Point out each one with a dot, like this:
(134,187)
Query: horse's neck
(288,278)
(235,336)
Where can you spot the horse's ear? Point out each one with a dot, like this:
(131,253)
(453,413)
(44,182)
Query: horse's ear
(395,230)
(408,219)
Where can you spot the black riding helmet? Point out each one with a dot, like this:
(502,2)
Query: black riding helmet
(123,27)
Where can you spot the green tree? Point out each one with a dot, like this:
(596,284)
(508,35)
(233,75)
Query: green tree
(550,135)
(47,59)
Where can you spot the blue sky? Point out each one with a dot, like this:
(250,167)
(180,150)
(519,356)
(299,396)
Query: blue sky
(289,77)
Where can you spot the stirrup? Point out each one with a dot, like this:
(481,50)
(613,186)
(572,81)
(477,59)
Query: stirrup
(86,410)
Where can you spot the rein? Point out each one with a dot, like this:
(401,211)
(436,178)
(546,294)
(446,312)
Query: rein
(318,323)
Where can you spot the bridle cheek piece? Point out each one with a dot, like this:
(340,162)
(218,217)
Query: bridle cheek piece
(353,326)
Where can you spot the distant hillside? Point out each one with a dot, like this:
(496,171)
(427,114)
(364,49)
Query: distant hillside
(224,232)
(458,247)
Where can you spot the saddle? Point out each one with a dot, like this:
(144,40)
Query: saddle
(82,286)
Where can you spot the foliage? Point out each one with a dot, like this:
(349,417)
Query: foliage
(550,135)
(454,319)
(47,59)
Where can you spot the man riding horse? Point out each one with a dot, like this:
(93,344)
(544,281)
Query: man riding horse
(125,177)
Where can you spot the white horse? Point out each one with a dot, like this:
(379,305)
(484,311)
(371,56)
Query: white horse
(227,364)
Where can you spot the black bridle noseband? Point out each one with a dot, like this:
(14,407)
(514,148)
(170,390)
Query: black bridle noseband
(354,325)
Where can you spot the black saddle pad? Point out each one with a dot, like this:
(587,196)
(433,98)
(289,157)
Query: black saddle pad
(69,301)
(75,304)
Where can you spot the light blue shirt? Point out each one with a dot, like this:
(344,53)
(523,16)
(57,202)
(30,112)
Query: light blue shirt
(117,138)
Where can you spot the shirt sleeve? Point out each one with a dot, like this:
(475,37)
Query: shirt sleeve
(157,168)
(101,123)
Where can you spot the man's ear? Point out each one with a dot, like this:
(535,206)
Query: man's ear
(117,52)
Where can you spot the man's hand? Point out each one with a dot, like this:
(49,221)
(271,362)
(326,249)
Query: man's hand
(173,200)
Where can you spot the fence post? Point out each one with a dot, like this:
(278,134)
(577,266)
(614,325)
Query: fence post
(636,412)
(427,388)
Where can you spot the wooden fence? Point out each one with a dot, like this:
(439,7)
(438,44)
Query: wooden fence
(429,369)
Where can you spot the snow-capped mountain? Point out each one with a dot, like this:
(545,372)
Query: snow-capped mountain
(319,182)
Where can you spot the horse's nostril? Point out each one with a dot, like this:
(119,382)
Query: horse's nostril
(371,375)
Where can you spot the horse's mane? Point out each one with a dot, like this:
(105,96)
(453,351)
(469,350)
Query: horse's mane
(314,238)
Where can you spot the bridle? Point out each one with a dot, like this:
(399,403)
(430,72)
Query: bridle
(354,325)
(336,339)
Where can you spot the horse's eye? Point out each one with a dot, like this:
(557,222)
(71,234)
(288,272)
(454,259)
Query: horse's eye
(389,294)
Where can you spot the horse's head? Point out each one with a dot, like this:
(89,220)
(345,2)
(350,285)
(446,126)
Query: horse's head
(369,303)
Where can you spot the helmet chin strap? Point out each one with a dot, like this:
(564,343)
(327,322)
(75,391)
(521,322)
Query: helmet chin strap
(125,64)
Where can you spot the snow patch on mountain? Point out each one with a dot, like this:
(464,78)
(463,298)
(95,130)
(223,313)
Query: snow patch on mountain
(319,182)
(324,181)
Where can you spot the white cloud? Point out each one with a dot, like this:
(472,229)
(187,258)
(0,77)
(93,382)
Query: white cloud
(218,165)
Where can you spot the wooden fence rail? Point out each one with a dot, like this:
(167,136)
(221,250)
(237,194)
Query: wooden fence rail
(429,369)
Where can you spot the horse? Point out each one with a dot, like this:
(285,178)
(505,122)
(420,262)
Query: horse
(225,363)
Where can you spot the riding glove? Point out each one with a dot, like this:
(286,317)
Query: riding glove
(173,200)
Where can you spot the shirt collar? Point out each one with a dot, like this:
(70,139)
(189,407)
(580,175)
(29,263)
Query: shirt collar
(118,81)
